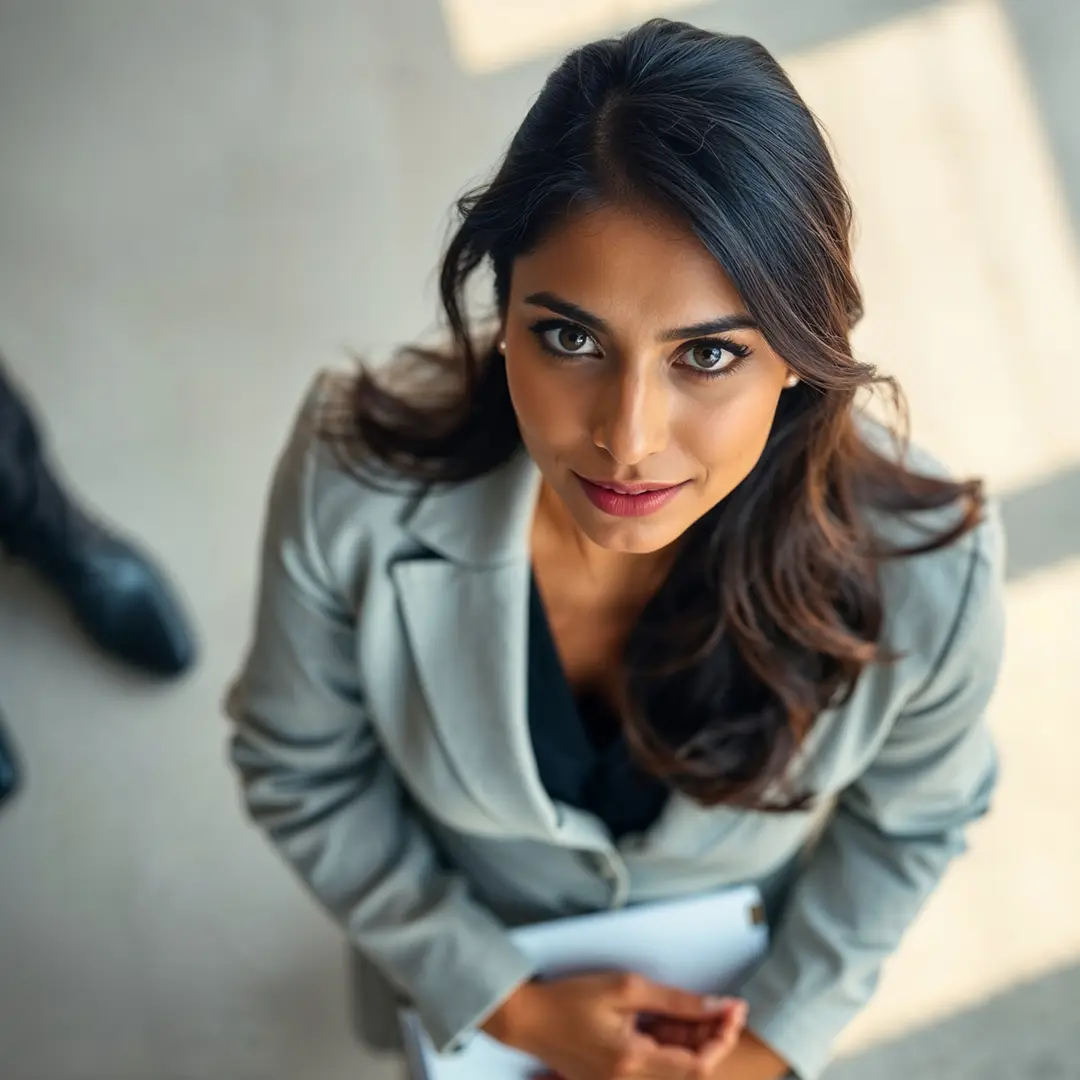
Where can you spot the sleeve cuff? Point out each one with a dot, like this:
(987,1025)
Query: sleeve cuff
(796,1034)
(480,988)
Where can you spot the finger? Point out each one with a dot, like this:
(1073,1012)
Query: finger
(722,1043)
(737,1016)
(734,1013)
(721,1047)
(712,1055)
(643,995)
(725,1005)
(730,1011)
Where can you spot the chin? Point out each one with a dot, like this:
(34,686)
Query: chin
(627,535)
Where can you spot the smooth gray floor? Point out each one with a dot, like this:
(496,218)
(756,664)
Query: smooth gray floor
(203,202)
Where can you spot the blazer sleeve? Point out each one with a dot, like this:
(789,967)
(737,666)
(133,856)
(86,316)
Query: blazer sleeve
(893,833)
(316,781)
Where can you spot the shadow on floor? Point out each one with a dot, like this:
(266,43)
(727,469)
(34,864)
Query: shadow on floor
(1027,1033)
(1042,524)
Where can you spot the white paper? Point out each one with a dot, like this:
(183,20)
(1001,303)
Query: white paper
(705,944)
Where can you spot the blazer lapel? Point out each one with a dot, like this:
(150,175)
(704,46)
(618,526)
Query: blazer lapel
(466,616)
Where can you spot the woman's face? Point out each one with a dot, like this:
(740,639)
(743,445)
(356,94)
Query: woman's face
(632,363)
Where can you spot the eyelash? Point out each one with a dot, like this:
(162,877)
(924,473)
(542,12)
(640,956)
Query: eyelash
(741,353)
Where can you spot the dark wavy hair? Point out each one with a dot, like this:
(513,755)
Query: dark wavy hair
(773,607)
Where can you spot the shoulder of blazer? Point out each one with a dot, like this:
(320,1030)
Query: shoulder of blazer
(476,523)
(926,596)
(345,521)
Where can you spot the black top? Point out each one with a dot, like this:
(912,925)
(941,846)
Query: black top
(580,751)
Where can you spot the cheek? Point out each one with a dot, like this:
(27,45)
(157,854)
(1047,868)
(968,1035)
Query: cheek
(728,439)
(546,412)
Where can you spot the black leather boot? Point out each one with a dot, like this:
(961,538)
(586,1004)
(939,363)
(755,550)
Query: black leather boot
(9,768)
(117,594)
(121,599)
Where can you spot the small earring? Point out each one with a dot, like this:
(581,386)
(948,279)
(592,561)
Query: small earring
(791,380)
(502,345)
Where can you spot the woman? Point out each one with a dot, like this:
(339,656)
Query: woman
(620,598)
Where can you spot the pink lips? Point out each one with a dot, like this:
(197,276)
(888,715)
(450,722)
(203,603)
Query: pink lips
(628,500)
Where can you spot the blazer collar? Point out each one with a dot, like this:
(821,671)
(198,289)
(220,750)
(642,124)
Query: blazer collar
(466,616)
(483,522)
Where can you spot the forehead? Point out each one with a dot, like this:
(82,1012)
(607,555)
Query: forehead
(627,263)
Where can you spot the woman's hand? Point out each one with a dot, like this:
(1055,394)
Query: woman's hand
(618,1027)
(697,1034)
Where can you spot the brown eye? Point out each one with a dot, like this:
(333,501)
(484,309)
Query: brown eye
(713,358)
(569,341)
(708,358)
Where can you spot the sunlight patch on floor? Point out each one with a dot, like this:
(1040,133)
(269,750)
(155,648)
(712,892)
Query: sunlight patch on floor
(486,35)
(965,246)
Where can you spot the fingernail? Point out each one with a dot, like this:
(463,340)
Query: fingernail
(714,1004)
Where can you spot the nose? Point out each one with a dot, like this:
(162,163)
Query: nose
(632,417)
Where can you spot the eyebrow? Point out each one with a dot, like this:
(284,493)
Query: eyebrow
(721,325)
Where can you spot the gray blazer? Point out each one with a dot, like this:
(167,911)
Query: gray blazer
(382,743)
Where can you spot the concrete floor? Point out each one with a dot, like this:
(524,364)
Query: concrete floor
(201,203)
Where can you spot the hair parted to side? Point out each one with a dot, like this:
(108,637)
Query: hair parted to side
(773,607)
